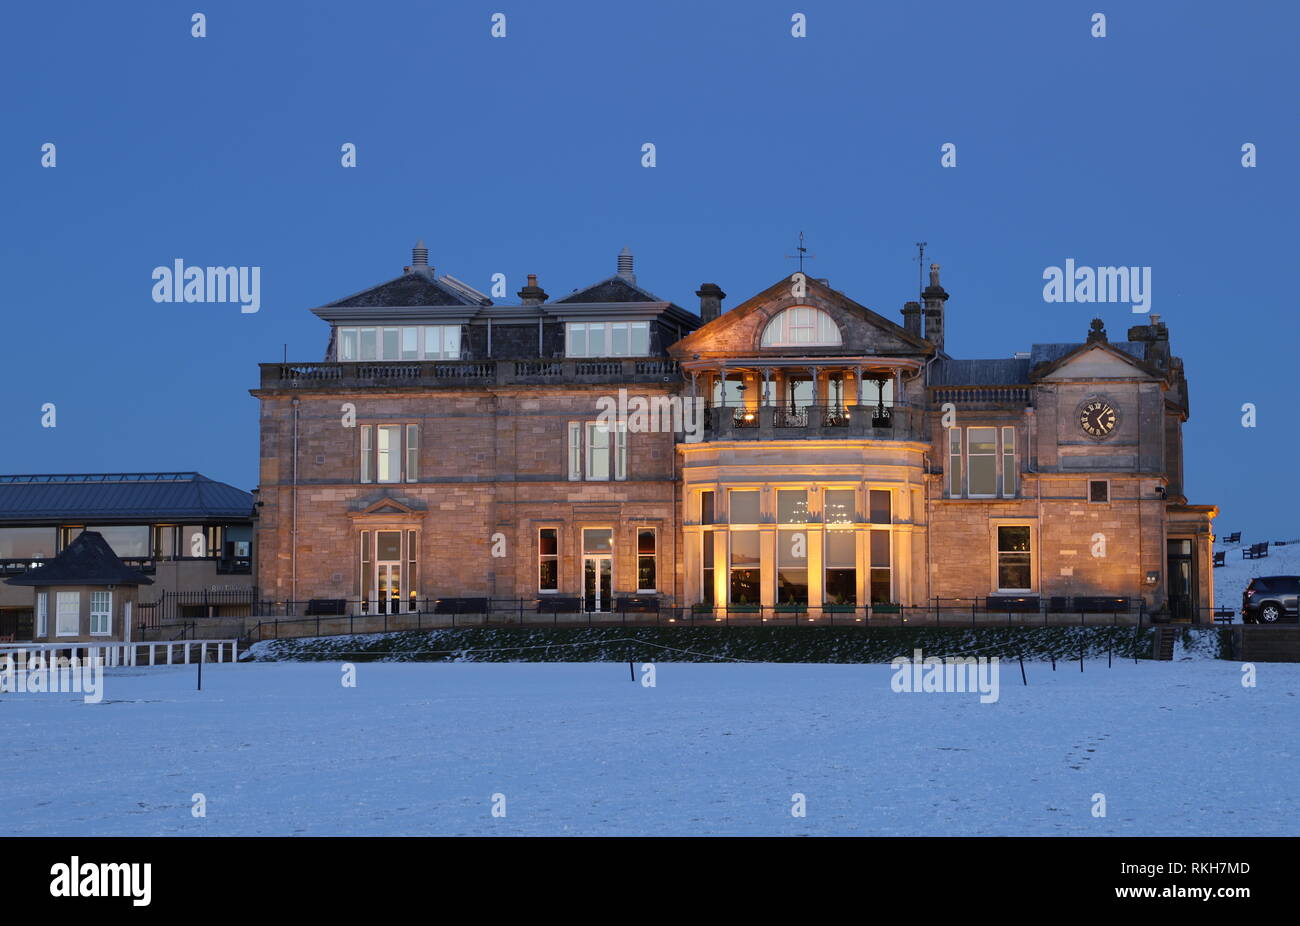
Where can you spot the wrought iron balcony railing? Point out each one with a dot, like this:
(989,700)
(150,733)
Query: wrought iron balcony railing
(782,422)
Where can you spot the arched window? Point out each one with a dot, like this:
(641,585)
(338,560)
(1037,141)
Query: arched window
(801,326)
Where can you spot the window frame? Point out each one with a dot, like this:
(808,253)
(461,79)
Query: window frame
(42,614)
(548,557)
(58,614)
(995,541)
(605,331)
(406,455)
(652,556)
(1095,482)
(431,342)
(780,328)
(106,613)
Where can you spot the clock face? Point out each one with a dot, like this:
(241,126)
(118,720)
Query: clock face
(1098,418)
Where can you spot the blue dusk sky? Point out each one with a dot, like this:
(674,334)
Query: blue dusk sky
(522,155)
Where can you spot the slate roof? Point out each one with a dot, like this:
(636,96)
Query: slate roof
(88,560)
(1011,372)
(612,289)
(416,288)
(121,498)
(1050,353)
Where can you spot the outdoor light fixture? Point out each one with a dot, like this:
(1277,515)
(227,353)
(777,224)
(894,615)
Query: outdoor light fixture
(1153,578)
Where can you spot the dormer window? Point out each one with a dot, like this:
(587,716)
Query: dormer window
(410,342)
(607,339)
(801,326)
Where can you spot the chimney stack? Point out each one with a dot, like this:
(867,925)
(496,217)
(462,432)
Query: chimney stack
(912,318)
(711,296)
(935,297)
(532,294)
(625,265)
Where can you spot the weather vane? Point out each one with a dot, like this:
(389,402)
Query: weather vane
(920,268)
(803,254)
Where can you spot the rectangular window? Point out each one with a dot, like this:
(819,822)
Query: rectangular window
(101,613)
(982,462)
(745,574)
(42,614)
(881,506)
(164,541)
(67,613)
(841,567)
(881,591)
(597,451)
(412,452)
(646,560)
(367,572)
(440,342)
(369,344)
(706,507)
(607,339)
(1009,471)
(27,543)
(1014,559)
(1099,491)
(840,506)
(388,446)
(347,344)
(367,451)
(575,451)
(392,346)
(744,504)
(127,542)
(412,576)
(410,343)
(954,463)
(792,567)
(792,506)
(548,559)
(706,570)
(620,450)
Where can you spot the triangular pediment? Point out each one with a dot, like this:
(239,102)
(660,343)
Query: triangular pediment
(1098,360)
(739,332)
(387,507)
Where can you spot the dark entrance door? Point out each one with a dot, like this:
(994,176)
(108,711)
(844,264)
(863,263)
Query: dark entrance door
(1182,580)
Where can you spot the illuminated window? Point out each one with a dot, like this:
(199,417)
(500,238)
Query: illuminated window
(801,326)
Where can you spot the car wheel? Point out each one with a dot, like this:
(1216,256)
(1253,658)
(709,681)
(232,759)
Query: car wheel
(1270,613)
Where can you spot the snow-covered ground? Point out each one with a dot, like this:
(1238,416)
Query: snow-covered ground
(284,748)
(1230,579)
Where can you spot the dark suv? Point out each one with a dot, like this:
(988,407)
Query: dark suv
(1269,599)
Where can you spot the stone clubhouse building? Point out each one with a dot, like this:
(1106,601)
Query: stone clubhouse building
(820,458)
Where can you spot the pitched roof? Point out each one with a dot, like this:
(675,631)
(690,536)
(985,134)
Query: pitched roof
(1008,372)
(611,289)
(1050,353)
(417,288)
(88,560)
(120,497)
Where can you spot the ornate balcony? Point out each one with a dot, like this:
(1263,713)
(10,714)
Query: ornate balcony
(781,422)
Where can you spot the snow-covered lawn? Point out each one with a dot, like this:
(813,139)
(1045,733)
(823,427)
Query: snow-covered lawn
(1230,579)
(284,748)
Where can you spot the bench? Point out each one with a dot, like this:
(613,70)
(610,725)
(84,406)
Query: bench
(555,604)
(1255,551)
(1007,604)
(326,607)
(1223,615)
(637,604)
(1219,558)
(460,606)
(1233,538)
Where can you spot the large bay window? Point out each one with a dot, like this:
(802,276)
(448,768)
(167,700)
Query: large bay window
(409,342)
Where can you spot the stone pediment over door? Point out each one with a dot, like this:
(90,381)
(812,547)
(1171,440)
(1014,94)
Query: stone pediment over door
(388,509)
(740,331)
